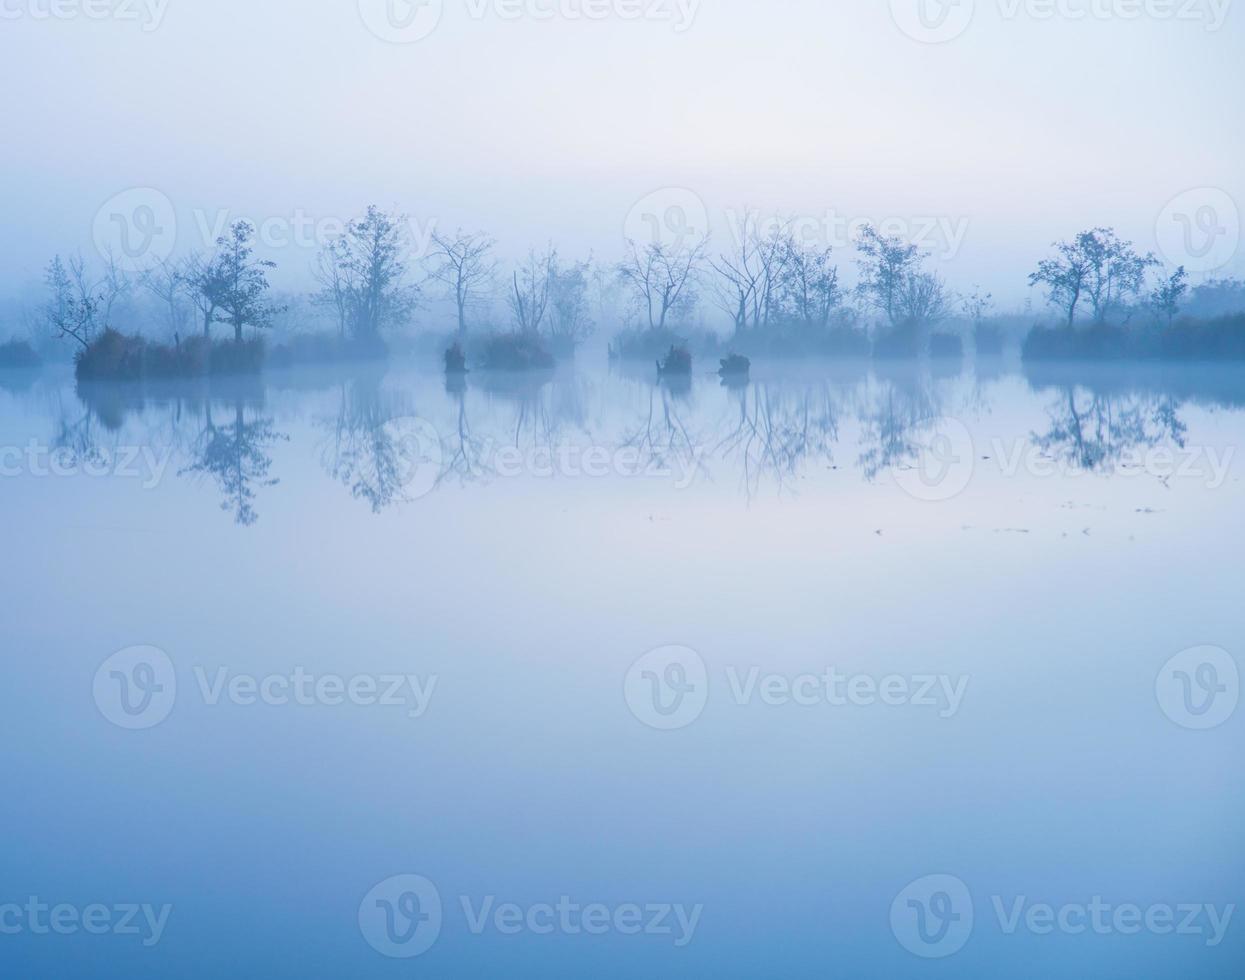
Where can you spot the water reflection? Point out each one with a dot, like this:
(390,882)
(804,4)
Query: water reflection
(372,430)
(896,411)
(1095,431)
(780,429)
(233,454)
(368,452)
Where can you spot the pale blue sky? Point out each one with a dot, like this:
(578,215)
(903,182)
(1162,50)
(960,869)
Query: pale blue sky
(1017,131)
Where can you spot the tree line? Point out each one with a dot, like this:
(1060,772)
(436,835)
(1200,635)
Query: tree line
(767,281)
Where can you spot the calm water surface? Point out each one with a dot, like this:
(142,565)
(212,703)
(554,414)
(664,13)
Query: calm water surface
(847,671)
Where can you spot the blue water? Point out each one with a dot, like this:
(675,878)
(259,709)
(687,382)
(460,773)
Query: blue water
(613,606)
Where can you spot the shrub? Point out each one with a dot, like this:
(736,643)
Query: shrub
(1218,339)
(455,359)
(1190,339)
(1098,342)
(734,365)
(678,362)
(901,341)
(237,356)
(650,344)
(516,352)
(798,340)
(112,356)
(18,354)
(188,358)
(946,345)
(563,348)
(987,340)
(324,348)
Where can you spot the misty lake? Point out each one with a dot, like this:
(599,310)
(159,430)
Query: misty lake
(876,670)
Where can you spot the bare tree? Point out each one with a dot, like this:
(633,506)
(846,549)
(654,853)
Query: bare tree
(462,264)
(71,309)
(977,306)
(114,286)
(811,286)
(924,299)
(530,298)
(886,264)
(203,280)
(165,282)
(569,320)
(751,280)
(1168,295)
(738,274)
(773,254)
(334,291)
(372,259)
(661,280)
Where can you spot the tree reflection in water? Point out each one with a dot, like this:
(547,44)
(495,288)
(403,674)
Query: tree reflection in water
(896,413)
(376,446)
(779,430)
(234,456)
(1094,431)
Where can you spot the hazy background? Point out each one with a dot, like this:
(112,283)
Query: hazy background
(537,129)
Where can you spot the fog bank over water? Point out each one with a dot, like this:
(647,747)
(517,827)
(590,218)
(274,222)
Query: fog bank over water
(540,121)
